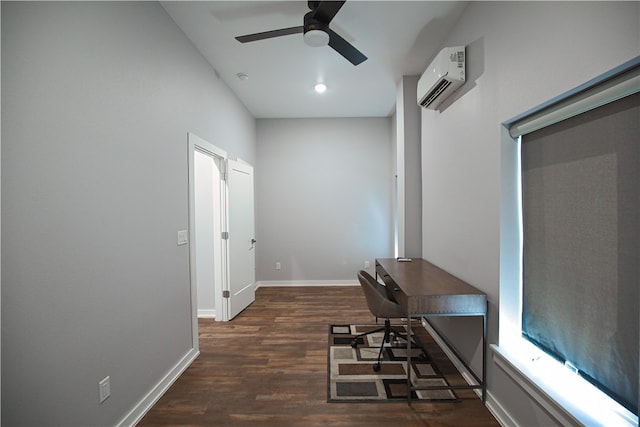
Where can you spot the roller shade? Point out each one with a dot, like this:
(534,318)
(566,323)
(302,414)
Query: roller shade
(620,83)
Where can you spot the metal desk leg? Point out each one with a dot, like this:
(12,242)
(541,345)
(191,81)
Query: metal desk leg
(409,360)
(484,358)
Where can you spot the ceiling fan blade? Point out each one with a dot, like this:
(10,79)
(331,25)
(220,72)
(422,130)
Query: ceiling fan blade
(326,10)
(270,34)
(345,48)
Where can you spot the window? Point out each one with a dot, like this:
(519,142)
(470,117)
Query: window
(569,243)
(580,186)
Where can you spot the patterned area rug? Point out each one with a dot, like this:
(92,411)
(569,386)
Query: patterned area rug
(351,377)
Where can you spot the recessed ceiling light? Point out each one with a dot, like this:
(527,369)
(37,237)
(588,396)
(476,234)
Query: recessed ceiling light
(242,76)
(320,87)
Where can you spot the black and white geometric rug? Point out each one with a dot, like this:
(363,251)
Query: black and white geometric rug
(351,377)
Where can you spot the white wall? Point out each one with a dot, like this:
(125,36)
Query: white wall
(519,54)
(323,197)
(97,100)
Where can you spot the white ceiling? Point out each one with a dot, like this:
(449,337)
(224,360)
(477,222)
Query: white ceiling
(398,37)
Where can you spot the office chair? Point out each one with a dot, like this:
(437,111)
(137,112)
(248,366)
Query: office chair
(382,305)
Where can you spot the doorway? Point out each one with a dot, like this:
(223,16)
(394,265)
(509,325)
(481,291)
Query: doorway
(221,227)
(207,254)
(208,227)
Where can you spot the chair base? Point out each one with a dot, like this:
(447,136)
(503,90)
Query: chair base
(390,334)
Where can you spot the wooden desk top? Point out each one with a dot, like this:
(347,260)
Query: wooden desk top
(424,288)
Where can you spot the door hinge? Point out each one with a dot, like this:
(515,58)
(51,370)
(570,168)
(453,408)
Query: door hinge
(225,235)
(225,294)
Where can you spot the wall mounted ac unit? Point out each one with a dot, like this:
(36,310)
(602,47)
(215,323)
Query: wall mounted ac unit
(445,74)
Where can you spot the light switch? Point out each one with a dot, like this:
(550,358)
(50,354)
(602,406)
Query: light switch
(183,237)
(104,387)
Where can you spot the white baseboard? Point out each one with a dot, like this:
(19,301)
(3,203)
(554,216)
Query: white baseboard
(207,313)
(499,412)
(136,414)
(293,283)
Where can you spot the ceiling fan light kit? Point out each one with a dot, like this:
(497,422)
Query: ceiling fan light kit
(316,31)
(316,38)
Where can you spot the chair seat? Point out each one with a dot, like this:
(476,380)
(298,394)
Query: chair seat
(381,306)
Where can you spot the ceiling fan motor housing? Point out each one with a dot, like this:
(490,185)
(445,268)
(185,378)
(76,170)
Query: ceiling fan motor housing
(315,32)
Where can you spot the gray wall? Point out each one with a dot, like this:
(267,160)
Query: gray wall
(97,100)
(408,144)
(323,197)
(518,56)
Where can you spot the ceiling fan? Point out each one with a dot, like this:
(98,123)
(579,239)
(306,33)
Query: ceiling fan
(316,31)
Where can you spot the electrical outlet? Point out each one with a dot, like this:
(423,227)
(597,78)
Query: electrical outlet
(104,387)
(366,264)
(278,265)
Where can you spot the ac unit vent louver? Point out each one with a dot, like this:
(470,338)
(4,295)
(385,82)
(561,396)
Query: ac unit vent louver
(443,76)
(433,95)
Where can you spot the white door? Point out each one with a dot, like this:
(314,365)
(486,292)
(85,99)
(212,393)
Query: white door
(240,219)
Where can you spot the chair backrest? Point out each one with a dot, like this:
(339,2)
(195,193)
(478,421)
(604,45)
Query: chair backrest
(377,301)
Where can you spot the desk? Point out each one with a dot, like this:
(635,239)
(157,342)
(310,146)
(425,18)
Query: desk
(426,290)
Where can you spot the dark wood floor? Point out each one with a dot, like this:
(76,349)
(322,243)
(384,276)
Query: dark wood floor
(268,367)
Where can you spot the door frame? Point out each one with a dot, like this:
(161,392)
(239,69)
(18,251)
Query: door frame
(195,143)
